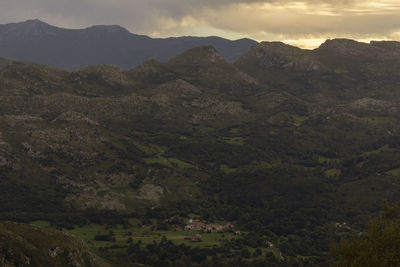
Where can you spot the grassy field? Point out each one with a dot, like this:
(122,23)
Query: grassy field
(169,162)
(299,118)
(150,149)
(146,234)
(185,138)
(180,164)
(379,119)
(377,151)
(239,141)
(394,172)
(42,224)
(226,169)
(333,172)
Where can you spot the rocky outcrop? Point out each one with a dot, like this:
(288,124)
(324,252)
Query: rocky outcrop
(277,55)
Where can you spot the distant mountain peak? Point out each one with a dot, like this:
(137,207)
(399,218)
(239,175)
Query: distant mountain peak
(202,56)
(342,45)
(340,41)
(34,23)
(36,41)
(386,44)
(198,56)
(278,48)
(275,44)
(32,27)
(107,28)
(279,55)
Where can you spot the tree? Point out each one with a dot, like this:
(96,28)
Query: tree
(379,246)
(257,252)
(245,253)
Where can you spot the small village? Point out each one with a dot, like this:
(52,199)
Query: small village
(198,225)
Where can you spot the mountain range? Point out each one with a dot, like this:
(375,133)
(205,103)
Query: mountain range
(39,42)
(292,146)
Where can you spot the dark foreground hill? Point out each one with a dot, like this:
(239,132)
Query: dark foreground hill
(36,41)
(293,146)
(27,245)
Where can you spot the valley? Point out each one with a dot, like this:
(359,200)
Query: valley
(284,143)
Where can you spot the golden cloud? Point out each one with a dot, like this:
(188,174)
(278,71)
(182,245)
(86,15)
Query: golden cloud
(306,24)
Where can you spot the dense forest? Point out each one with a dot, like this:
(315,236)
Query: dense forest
(295,148)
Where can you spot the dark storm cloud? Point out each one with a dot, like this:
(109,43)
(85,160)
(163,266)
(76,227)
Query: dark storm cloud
(274,19)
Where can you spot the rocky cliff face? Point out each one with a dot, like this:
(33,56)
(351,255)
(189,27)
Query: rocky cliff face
(329,57)
(278,55)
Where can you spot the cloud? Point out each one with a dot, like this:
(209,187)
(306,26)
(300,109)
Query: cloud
(263,20)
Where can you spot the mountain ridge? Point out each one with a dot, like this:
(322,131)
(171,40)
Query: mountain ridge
(39,42)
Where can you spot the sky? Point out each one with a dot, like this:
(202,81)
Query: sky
(305,23)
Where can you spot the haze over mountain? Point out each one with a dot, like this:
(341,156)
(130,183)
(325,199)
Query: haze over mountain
(36,41)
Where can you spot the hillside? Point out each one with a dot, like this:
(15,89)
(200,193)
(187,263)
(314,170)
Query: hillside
(39,42)
(27,245)
(284,142)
